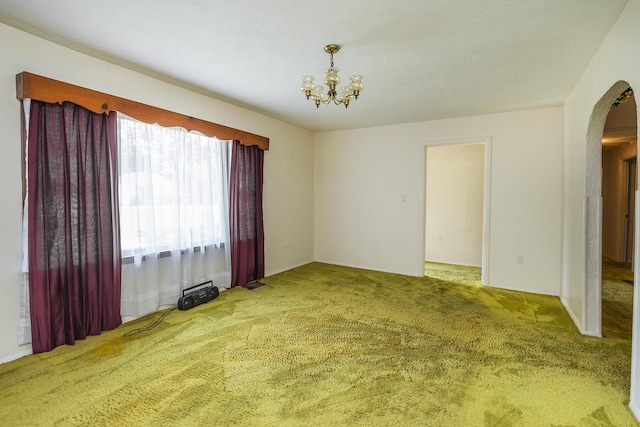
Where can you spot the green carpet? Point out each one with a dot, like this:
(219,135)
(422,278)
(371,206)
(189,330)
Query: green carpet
(617,299)
(323,345)
(453,273)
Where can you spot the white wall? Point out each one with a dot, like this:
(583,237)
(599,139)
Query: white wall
(616,60)
(288,179)
(361,175)
(454,196)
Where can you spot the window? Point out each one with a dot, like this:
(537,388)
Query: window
(184,217)
(172,189)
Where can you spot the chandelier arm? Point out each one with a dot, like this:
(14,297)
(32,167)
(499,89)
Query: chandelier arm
(325,101)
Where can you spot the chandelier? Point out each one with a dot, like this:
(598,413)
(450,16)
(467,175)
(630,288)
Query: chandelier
(332,80)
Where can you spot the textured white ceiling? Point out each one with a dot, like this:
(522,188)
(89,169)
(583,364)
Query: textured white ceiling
(421,59)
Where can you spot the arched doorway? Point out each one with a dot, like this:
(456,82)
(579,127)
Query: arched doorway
(619,186)
(593,210)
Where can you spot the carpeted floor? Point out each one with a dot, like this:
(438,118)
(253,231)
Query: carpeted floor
(617,299)
(460,274)
(331,346)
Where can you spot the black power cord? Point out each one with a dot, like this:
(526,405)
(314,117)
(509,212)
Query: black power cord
(148,328)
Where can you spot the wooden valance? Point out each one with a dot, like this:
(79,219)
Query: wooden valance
(53,91)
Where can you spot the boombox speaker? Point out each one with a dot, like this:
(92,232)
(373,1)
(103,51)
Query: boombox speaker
(198,294)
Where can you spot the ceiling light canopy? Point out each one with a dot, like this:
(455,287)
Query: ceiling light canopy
(332,80)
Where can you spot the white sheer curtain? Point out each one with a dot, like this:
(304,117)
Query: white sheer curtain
(174,213)
(24,325)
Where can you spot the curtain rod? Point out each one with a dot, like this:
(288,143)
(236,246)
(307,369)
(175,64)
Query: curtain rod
(44,89)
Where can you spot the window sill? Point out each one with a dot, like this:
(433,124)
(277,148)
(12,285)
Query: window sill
(167,254)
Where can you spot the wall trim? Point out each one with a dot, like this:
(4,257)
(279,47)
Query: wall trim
(571,314)
(18,355)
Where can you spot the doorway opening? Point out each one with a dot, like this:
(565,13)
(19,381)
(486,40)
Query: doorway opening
(619,186)
(457,210)
(594,204)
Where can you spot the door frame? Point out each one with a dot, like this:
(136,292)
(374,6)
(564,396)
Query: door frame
(630,184)
(486,202)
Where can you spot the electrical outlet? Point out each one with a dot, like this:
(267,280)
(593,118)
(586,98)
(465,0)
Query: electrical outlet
(403,198)
(519,259)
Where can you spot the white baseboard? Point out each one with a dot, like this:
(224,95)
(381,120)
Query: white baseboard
(575,319)
(18,355)
(634,410)
(273,273)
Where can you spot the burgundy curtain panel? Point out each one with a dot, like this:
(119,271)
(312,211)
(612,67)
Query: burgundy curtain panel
(246,224)
(73,224)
